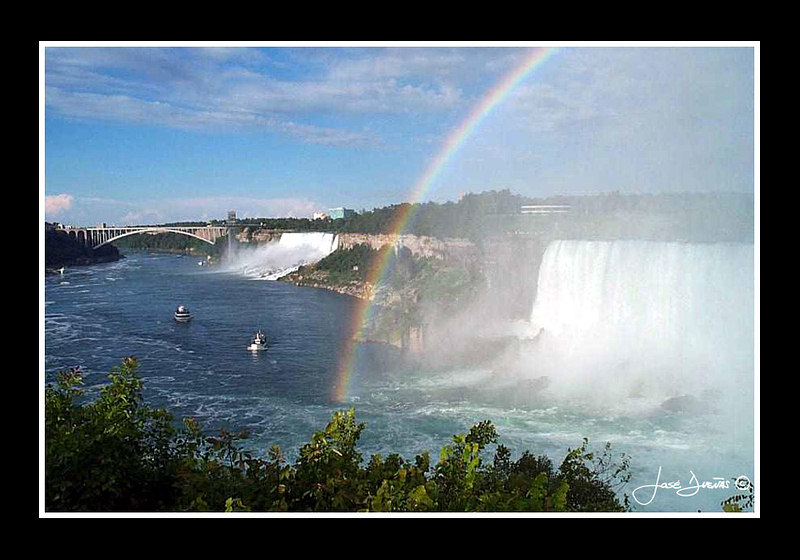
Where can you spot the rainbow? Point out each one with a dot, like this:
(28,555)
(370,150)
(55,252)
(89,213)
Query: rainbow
(454,141)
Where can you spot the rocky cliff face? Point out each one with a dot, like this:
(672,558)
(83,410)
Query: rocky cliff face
(255,235)
(420,246)
(511,268)
(309,277)
(437,283)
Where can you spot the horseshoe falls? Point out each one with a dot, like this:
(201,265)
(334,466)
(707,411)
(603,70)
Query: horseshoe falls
(635,323)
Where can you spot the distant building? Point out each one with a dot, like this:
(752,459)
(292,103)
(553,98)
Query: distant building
(320,215)
(338,213)
(545,209)
(231,216)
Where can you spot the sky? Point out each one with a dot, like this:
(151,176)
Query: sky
(143,133)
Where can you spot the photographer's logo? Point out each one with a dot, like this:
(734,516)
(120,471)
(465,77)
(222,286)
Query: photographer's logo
(742,483)
(645,494)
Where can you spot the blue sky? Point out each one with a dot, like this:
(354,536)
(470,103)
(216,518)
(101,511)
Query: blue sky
(148,133)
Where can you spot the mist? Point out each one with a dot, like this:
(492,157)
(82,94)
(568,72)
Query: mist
(276,259)
(631,320)
(623,326)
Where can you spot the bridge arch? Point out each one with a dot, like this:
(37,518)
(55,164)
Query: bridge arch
(156,230)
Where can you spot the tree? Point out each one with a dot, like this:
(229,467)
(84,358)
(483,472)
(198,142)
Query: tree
(328,471)
(117,454)
(113,454)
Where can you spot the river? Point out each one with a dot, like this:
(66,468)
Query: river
(96,316)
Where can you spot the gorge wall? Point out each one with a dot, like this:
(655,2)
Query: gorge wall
(419,246)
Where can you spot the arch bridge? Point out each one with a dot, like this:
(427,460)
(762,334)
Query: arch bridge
(95,237)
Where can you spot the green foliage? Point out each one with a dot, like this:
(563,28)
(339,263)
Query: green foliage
(327,471)
(699,217)
(352,264)
(471,217)
(61,249)
(170,242)
(741,502)
(117,454)
(443,286)
(113,454)
(593,480)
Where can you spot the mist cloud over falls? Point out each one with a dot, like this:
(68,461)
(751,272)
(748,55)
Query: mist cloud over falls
(623,325)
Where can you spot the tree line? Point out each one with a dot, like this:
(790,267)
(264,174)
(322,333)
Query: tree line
(701,217)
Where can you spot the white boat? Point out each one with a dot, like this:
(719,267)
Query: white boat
(182,314)
(259,341)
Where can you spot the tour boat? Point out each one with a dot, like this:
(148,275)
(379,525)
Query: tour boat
(259,341)
(182,314)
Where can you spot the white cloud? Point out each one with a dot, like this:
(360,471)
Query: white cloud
(594,119)
(194,89)
(125,109)
(658,120)
(57,204)
(92,210)
(216,207)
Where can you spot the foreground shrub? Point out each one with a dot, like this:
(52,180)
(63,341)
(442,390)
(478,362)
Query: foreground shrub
(117,454)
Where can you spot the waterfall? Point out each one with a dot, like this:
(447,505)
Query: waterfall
(628,320)
(318,243)
(279,258)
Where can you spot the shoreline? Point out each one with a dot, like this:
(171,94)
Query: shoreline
(316,279)
(81,262)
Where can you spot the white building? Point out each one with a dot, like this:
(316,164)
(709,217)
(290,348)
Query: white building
(545,209)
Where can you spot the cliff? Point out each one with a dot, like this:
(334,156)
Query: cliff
(420,246)
(445,274)
(347,274)
(435,285)
(62,250)
(257,235)
(311,277)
